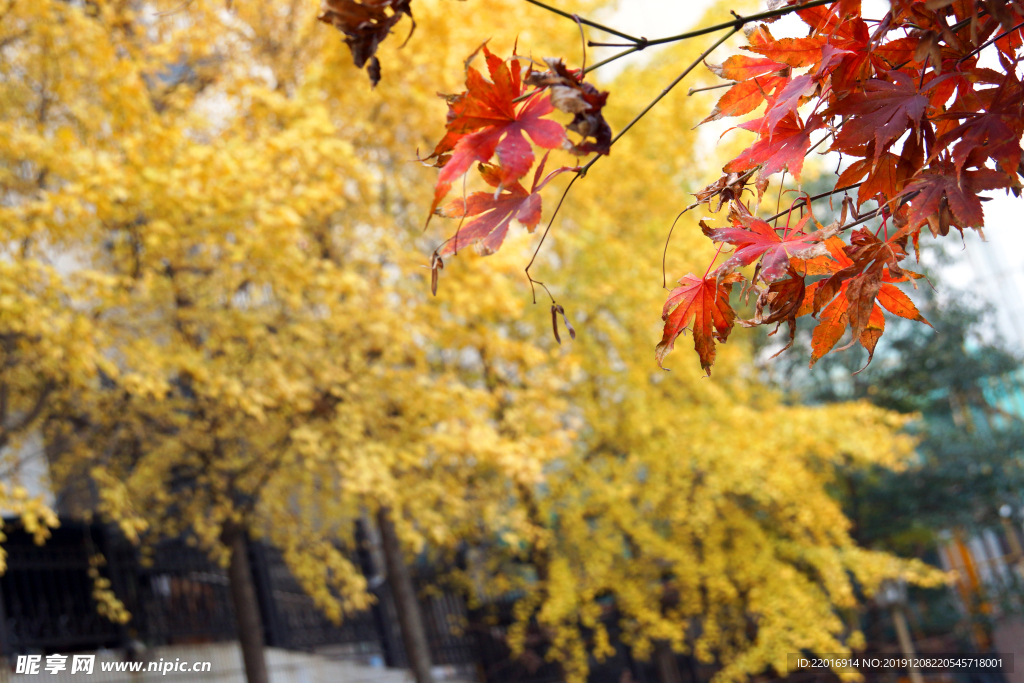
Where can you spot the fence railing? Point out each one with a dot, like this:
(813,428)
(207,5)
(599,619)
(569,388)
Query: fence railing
(178,596)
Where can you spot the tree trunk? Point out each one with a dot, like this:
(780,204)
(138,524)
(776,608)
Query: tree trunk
(665,663)
(906,644)
(414,636)
(247,610)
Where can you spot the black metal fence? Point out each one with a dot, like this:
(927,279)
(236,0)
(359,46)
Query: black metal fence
(178,596)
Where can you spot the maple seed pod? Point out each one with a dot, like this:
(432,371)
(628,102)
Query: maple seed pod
(555,310)
(436,265)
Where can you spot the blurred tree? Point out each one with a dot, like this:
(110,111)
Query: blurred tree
(266,368)
(963,391)
(954,381)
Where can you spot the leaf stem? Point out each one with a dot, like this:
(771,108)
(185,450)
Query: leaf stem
(583,40)
(527,95)
(782,186)
(720,245)
(664,253)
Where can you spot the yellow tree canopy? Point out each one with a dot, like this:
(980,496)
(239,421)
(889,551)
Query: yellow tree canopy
(227,225)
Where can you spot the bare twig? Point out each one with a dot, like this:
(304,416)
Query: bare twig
(664,253)
(583,40)
(544,237)
(727,84)
(736,23)
(666,91)
(592,24)
(612,58)
(641,43)
(989,42)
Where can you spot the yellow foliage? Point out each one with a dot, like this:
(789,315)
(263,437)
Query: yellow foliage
(107,603)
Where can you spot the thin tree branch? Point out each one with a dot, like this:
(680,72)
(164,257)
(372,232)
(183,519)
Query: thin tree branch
(583,171)
(545,235)
(727,84)
(643,43)
(28,418)
(988,42)
(803,202)
(592,24)
(738,22)
(668,88)
(583,40)
(612,59)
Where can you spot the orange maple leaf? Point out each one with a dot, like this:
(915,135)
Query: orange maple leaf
(701,304)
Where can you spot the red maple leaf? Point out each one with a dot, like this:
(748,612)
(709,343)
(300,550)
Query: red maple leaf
(784,148)
(492,213)
(837,316)
(881,113)
(701,304)
(990,131)
(787,101)
(755,239)
(799,87)
(886,177)
(487,121)
(938,192)
(822,18)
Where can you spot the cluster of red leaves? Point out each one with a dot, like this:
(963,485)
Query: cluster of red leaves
(365,24)
(497,119)
(910,82)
